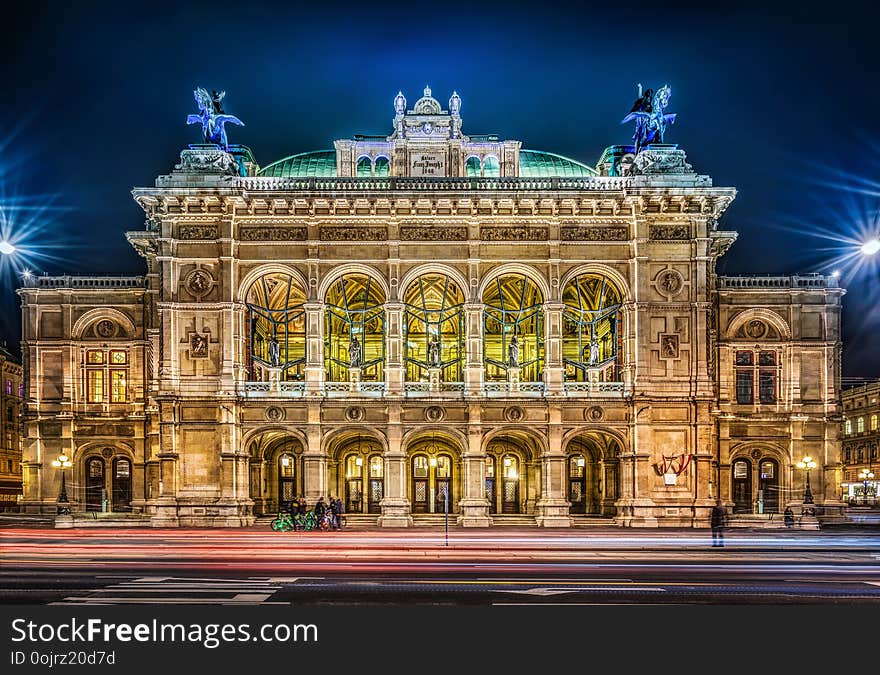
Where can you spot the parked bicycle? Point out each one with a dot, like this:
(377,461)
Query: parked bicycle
(326,523)
(285,522)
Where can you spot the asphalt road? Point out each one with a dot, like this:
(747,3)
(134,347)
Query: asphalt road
(482,567)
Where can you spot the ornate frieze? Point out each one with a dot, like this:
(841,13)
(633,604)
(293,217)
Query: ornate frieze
(353,233)
(273,233)
(433,233)
(670,231)
(197,232)
(518,233)
(590,233)
(206,159)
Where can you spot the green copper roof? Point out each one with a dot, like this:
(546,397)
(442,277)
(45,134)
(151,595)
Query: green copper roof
(318,163)
(537,164)
(322,163)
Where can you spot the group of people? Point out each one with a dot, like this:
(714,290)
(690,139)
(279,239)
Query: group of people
(332,509)
(718,521)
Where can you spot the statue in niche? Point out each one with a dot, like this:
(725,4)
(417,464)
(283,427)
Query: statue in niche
(594,352)
(212,118)
(274,352)
(354,352)
(434,352)
(650,117)
(513,353)
(198,345)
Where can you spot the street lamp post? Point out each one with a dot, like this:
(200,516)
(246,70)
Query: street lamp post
(865,475)
(63,503)
(807,464)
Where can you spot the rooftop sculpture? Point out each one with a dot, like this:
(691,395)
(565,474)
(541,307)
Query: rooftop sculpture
(212,118)
(649,114)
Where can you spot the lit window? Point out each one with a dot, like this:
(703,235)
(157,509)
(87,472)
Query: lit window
(377,467)
(766,374)
(117,384)
(873,422)
(106,376)
(95,386)
(117,357)
(9,387)
(860,425)
(95,357)
(847,425)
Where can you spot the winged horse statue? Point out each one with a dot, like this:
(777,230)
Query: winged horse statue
(649,114)
(212,118)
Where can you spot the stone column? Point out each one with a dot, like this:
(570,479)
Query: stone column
(474,505)
(314,368)
(395,504)
(553,508)
(394,349)
(314,464)
(553,368)
(473,368)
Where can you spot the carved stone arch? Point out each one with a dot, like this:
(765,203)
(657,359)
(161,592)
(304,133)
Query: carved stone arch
(515,268)
(353,268)
(94,315)
(251,277)
(93,448)
(770,449)
(542,444)
(435,268)
(759,313)
(618,436)
(253,436)
(339,435)
(616,278)
(413,436)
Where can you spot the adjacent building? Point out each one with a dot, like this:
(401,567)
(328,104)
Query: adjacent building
(427,321)
(11,389)
(861,444)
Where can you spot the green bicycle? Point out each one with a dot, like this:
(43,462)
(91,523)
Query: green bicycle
(283,523)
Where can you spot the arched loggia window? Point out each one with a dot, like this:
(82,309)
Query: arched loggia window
(276,322)
(355,329)
(434,328)
(591,328)
(513,328)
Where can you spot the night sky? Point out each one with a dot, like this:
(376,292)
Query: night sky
(780,104)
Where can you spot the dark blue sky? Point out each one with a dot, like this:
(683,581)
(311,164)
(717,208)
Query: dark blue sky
(774,101)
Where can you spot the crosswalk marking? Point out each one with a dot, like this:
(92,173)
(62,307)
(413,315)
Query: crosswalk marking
(181,590)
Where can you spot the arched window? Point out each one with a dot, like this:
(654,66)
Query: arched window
(277,326)
(434,328)
(491,168)
(873,422)
(364,167)
(472,167)
(591,328)
(382,167)
(355,328)
(860,425)
(513,328)
(847,427)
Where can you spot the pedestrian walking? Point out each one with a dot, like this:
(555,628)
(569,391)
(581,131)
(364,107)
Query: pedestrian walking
(719,520)
(788,517)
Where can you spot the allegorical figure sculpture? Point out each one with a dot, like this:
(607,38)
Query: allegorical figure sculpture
(513,353)
(650,117)
(434,353)
(274,352)
(212,118)
(594,353)
(354,353)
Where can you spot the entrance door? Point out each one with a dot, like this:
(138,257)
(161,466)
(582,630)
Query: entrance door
(742,486)
(577,484)
(768,484)
(354,483)
(420,491)
(490,483)
(510,484)
(121,484)
(286,481)
(443,484)
(377,484)
(94,483)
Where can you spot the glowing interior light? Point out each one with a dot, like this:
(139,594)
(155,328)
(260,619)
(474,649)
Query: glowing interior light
(870,247)
(8,249)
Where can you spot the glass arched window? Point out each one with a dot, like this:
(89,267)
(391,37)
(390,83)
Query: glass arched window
(590,328)
(376,488)
(434,328)
(355,328)
(873,422)
(364,167)
(382,167)
(847,427)
(860,424)
(513,328)
(277,326)
(491,167)
(472,167)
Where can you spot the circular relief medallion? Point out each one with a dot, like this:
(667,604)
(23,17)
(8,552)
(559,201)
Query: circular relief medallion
(514,414)
(355,414)
(105,328)
(670,282)
(198,282)
(755,453)
(274,414)
(107,453)
(756,329)
(594,414)
(434,413)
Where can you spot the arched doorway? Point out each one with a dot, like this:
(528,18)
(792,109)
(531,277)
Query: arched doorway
(433,476)
(358,472)
(276,470)
(121,484)
(95,481)
(512,484)
(592,474)
(741,476)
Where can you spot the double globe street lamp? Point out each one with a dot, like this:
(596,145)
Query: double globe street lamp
(807,464)
(63,503)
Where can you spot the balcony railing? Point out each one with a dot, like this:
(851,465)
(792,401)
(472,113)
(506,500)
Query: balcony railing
(587,389)
(423,389)
(795,281)
(68,281)
(404,184)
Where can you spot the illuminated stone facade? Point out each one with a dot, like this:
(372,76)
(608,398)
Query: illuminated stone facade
(426,315)
(10,430)
(861,444)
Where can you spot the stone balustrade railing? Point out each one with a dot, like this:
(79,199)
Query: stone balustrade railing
(68,281)
(795,281)
(402,184)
